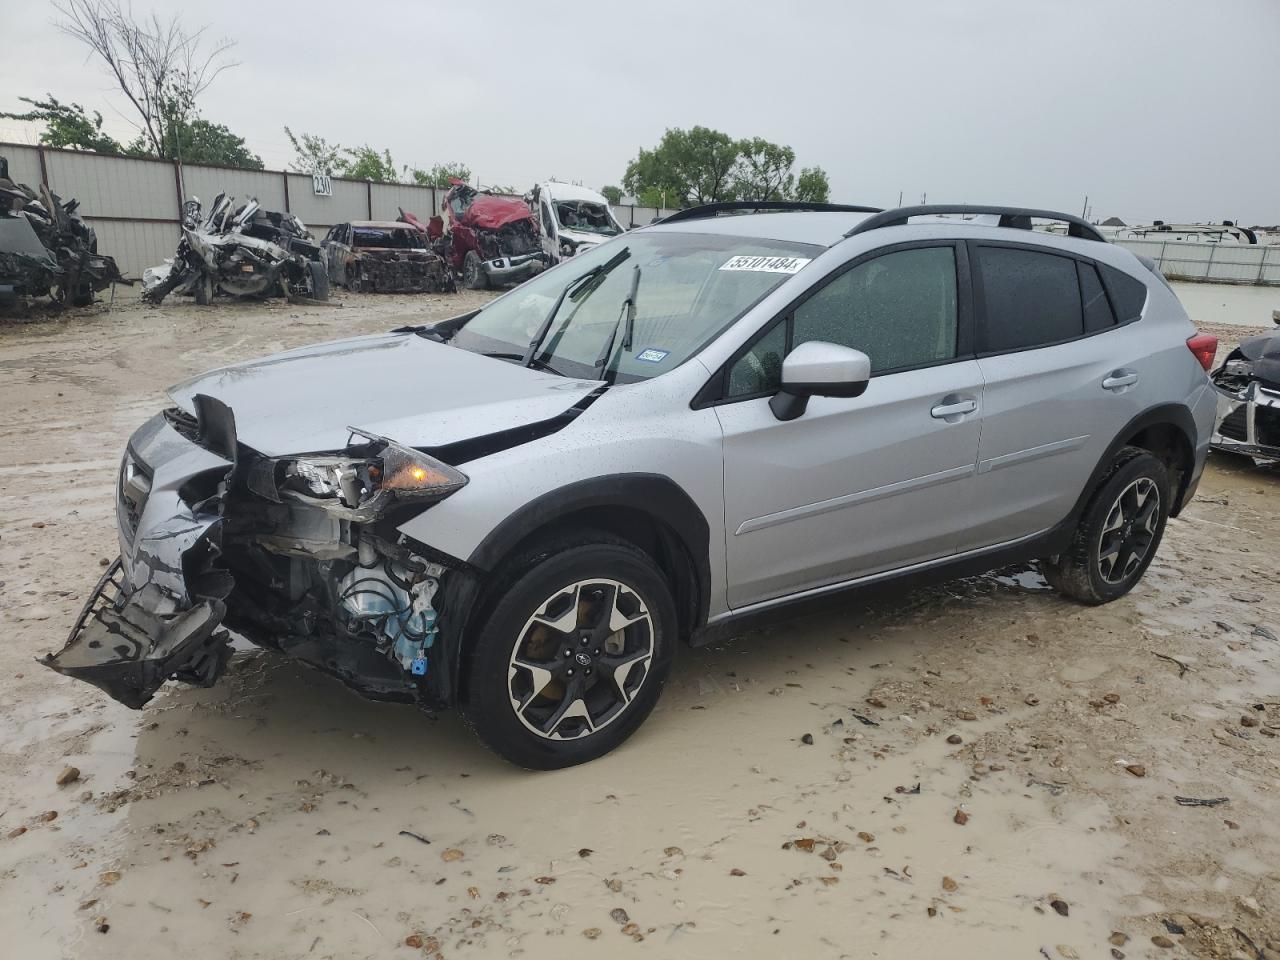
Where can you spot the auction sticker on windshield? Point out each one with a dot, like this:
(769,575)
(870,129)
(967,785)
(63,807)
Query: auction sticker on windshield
(765,264)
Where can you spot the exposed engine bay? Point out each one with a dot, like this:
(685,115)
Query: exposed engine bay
(491,240)
(296,554)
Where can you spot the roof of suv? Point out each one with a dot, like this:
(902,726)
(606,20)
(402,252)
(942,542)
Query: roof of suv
(801,226)
(805,224)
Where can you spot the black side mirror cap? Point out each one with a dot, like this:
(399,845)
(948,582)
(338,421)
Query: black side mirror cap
(792,400)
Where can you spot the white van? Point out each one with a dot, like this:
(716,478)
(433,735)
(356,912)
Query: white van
(571,219)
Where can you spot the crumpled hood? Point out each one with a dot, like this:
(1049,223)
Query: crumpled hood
(492,213)
(398,385)
(1265,353)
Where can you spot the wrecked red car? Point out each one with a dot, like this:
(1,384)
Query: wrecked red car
(492,241)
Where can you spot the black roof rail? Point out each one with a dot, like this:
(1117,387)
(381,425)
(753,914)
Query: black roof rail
(707,210)
(1016,217)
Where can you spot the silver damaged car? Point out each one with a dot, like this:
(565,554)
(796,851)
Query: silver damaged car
(524,511)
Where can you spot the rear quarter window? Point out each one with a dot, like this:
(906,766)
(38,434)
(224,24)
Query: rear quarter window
(1127,294)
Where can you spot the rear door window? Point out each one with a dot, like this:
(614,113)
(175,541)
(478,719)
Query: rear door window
(1031,299)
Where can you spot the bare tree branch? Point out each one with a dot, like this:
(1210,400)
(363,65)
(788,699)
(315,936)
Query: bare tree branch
(160,66)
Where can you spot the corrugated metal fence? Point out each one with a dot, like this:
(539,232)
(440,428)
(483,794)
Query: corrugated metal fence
(1212,262)
(135,204)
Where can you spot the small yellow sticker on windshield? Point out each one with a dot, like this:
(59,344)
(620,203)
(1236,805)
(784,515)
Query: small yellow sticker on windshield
(765,264)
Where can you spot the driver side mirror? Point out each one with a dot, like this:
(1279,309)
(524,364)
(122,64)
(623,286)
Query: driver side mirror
(819,369)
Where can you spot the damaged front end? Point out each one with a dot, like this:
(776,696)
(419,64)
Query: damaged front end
(47,249)
(399,271)
(298,554)
(239,252)
(492,240)
(1248,388)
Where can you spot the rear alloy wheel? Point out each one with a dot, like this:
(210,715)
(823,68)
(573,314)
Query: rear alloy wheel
(573,656)
(1129,531)
(1118,532)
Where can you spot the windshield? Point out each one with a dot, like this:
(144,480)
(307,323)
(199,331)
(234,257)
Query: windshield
(587,217)
(398,239)
(689,288)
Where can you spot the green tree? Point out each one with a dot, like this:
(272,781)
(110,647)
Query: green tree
(812,185)
(612,194)
(366,163)
(196,140)
(763,171)
(439,174)
(314,154)
(691,166)
(67,125)
(657,197)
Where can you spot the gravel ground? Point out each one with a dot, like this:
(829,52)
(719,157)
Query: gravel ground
(975,770)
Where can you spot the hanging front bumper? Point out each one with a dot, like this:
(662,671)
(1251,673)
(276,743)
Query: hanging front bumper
(154,614)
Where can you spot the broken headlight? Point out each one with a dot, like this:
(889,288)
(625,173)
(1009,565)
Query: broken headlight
(362,487)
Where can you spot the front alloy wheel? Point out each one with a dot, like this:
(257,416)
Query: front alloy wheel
(575,643)
(580,659)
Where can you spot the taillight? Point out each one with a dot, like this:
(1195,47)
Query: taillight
(1205,347)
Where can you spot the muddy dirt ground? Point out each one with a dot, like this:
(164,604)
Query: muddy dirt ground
(976,770)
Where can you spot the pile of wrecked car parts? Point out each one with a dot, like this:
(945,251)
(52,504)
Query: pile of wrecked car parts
(492,241)
(384,256)
(46,248)
(1248,388)
(239,252)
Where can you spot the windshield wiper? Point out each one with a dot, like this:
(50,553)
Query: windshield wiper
(538,363)
(573,285)
(626,320)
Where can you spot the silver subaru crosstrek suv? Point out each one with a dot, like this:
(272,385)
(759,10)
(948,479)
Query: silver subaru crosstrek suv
(525,510)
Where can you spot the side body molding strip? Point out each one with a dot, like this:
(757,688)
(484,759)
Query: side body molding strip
(849,499)
(1032,453)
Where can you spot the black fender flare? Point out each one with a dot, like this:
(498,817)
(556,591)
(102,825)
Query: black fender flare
(1166,414)
(655,495)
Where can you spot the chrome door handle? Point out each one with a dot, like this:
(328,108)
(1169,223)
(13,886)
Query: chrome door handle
(1120,379)
(955,409)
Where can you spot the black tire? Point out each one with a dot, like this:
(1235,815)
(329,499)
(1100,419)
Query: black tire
(319,280)
(473,274)
(529,584)
(83,296)
(204,290)
(1083,571)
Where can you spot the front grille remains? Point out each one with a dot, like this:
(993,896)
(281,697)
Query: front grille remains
(1235,425)
(1266,424)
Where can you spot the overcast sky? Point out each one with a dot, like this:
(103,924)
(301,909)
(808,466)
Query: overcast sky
(1153,108)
